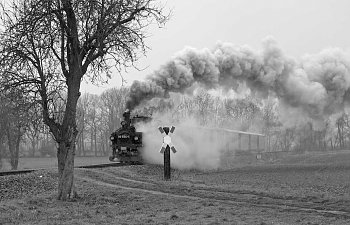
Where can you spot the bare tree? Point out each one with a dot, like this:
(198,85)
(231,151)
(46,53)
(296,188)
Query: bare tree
(3,115)
(342,134)
(48,47)
(97,118)
(15,121)
(112,106)
(204,102)
(242,112)
(81,123)
(35,128)
(92,121)
(270,120)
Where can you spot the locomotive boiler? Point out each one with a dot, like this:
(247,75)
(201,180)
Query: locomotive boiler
(126,141)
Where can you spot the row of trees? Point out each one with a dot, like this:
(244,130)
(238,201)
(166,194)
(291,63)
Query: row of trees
(24,133)
(255,115)
(16,114)
(99,115)
(262,116)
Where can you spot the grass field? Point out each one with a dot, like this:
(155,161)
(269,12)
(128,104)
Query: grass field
(309,189)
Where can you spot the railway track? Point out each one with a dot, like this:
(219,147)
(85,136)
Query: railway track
(92,166)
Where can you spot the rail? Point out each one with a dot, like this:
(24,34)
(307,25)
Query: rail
(93,166)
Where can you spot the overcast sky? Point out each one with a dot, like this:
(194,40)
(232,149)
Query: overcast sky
(299,27)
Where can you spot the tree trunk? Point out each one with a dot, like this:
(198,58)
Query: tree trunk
(78,146)
(14,159)
(91,141)
(82,145)
(13,143)
(66,136)
(34,144)
(95,140)
(1,152)
(65,157)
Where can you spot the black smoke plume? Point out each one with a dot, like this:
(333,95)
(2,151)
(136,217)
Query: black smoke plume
(318,84)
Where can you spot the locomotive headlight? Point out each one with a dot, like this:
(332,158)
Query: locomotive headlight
(112,138)
(136,138)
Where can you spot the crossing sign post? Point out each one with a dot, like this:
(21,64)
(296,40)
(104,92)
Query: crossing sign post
(165,149)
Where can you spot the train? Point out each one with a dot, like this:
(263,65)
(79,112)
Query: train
(126,142)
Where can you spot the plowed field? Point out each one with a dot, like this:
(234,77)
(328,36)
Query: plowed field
(303,189)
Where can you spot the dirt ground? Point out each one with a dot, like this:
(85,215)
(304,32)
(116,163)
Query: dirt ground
(308,189)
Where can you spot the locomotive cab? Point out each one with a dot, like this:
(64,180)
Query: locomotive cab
(126,141)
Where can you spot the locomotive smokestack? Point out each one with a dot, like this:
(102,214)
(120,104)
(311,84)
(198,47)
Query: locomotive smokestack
(126,115)
(318,85)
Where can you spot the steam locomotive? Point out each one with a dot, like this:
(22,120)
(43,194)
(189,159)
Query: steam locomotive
(126,141)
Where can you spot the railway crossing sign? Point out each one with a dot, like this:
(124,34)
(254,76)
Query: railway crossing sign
(167,145)
(166,138)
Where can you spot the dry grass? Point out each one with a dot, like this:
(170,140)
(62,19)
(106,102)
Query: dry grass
(292,191)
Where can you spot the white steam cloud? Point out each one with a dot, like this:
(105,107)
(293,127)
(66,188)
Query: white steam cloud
(198,148)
